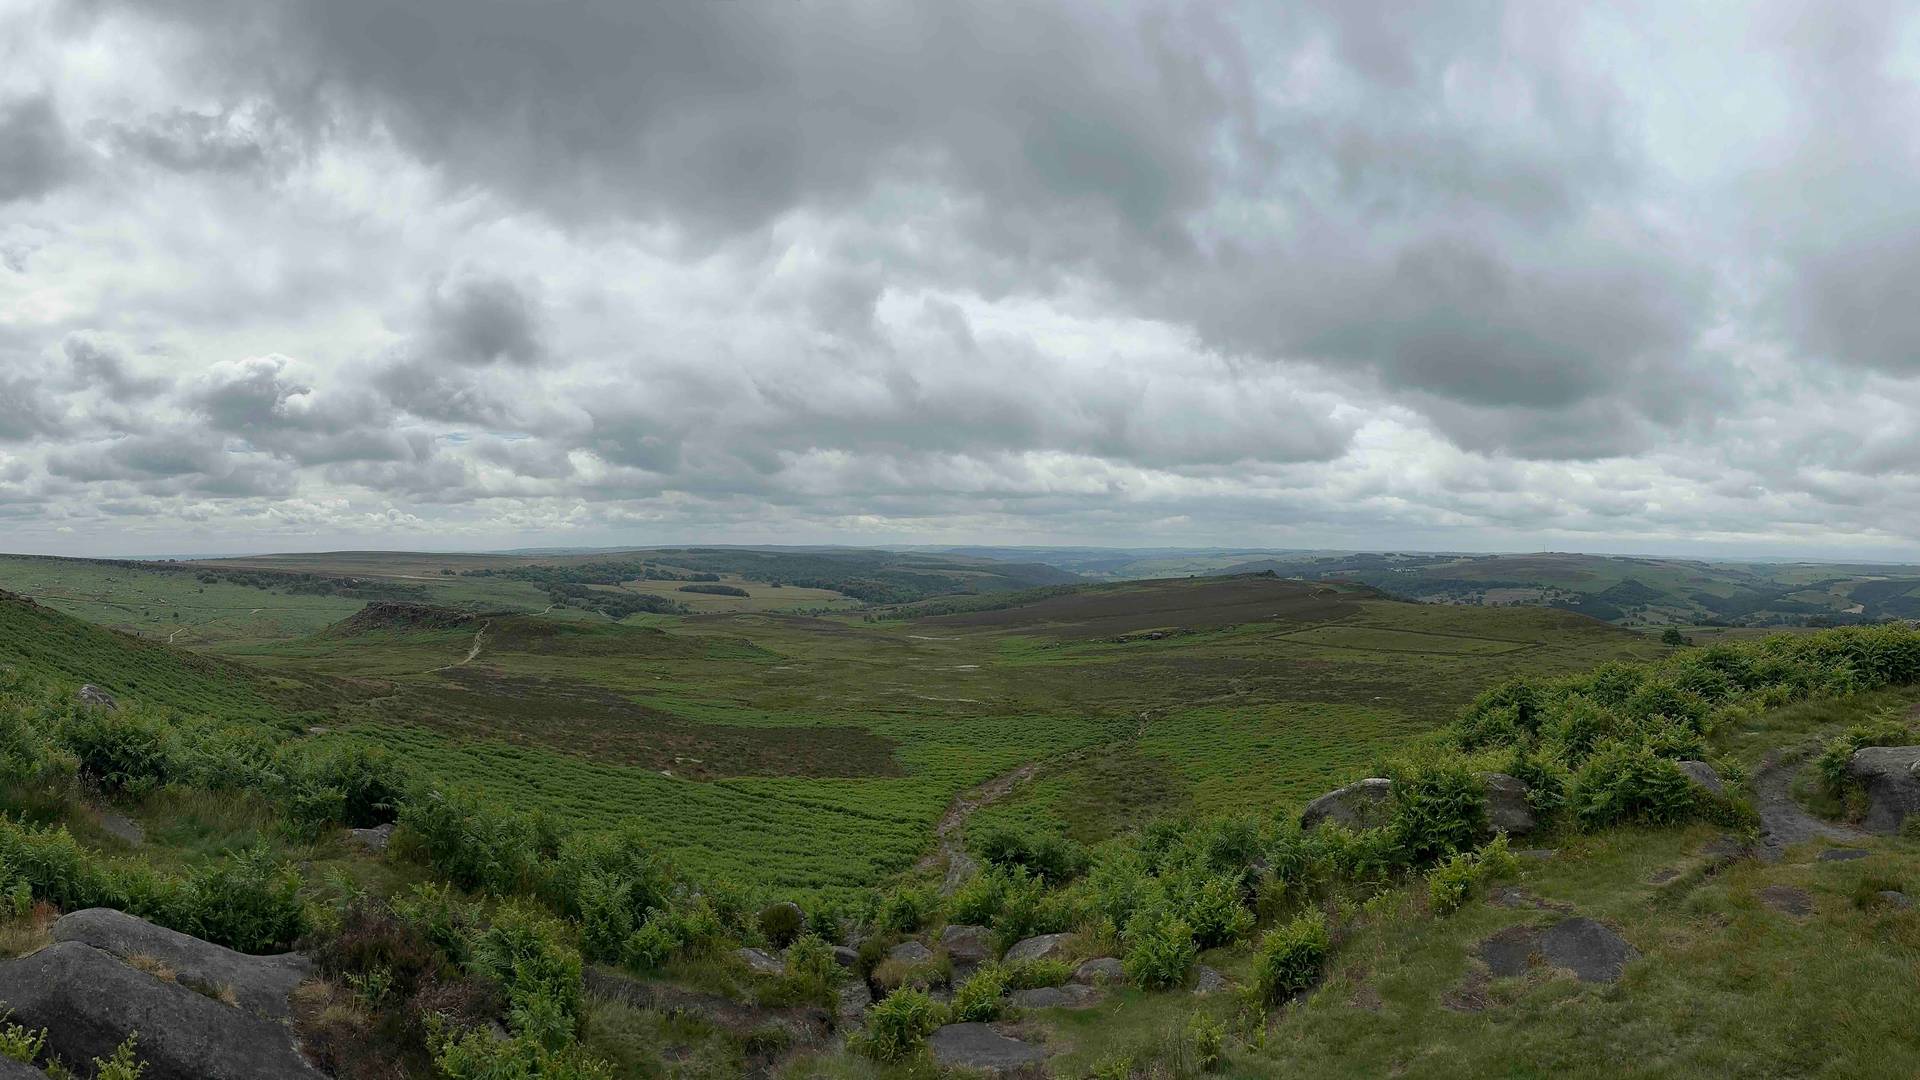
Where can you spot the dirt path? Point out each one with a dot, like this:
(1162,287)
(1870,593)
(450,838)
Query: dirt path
(479,637)
(175,634)
(1783,822)
(950,842)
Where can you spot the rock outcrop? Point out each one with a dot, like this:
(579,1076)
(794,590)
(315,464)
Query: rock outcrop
(96,697)
(1044,947)
(1891,776)
(760,962)
(89,1001)
(1508,810)
(967,944)
(1589,949)
(1100,971)
(980,1047)
(258,984)
(1702,774)
(1359,805)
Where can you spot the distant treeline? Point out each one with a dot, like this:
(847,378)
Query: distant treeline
(614,605)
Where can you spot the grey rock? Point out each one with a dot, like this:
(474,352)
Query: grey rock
(260,984)
(1508,810)
(93,695)
(89,1001)
(1891,775)
(850,1011)
(1702,774)
(1070,996)
(1896,899)
(1591,950)
(374,839)
(1100,971)
(760,961)
(1044,947)
(1509,952)
(1208,981)
(910,953)
(1842,854)
(15,1070)
(845,957)
(1787,898)
(1359,805)
(123,827)
(798,1025)
(967,944)
(1725,849)
(980,1047)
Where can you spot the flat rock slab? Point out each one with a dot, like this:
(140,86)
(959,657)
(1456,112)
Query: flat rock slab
(89,1001)
(375,839)
(1589,949)
(1790,899)
(1896,899)
(1070,996)
(123,827)
(760,962)
(970,944)
(910,953)
(850,1010)
(1208,981)
(979,1046)
(1843,854)
(1044,947)
(260,984)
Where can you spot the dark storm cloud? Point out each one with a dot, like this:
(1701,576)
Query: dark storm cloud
(38,155)
(483,319)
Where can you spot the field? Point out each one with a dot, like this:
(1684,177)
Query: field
(812,754)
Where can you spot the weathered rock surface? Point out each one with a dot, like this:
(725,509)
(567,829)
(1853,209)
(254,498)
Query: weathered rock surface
(374,839)
(760,961)
(1592,951)
(1895,899)
(260,984)
(979,1046)
(1702,774)
(855,998)
(1069,996)
(1100,971)
(1208,981)
(967,944)
(801,1025)
(1359,805)
(845,957)
(1787,898)
(910,953)
(1507,807)
(1044,947)
(14,1070)
(1891,775)
(93,695)
(89,1001)
(123,827)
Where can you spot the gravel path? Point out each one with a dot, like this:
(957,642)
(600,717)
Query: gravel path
(1783,822)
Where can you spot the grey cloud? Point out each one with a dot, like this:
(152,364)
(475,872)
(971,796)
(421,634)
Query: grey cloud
(187,141)
(39,155)
(95,363)
(483,319)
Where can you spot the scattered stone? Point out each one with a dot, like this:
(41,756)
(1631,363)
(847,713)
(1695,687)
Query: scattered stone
(1100,971)
(1590,949)
(1787,898)
(1070,996)
(760,961)
(1508,810)
(259,984)
(96,697)
(967,944)
(1208,981)
(374,839)
(1702,774)
(851,1010)
(1509,952)
(910,953)
(1896,899)
(1843,854)
(1891,775)
(1359,805)
(1044,947)
(1663,875)
(89,1001)
(123,827)
(980,1047)
(845,957)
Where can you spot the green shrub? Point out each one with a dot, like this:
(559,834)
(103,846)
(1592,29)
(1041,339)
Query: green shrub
(1033,974)
(245,901)
(528,955)
(475,843)
(1629,783)
(1214,909)
(370,780)
(654,943)
(1208,1038)
(119,752)
(1029,908)
(478,1055)
(1832,763)
(1160,949)
(906,909)
(781,923)
(19,1043)
(1054,858)
(897,1027)
(979,998)
(122,1065)
(1439,807)
(978,901)
(1292,957)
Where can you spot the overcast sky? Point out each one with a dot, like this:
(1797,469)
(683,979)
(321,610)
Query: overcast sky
(297,274)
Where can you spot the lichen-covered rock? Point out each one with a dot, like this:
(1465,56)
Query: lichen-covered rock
(1360,805)
(967,944)
(1207,981)
(259,984)
(375,839)
(89,1001)
(1043,947)
(1508,810)
(850,1010)
(980,1047)
(760,962)
(96,697)
(1589,949)
(1100,971)
(1891,776)
(1702,774)
(910,953)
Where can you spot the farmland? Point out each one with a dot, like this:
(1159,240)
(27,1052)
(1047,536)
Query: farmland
(812,753)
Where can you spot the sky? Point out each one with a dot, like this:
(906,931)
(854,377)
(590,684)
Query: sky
(313,274)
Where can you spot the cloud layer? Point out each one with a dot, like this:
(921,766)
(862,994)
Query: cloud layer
(299,273)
